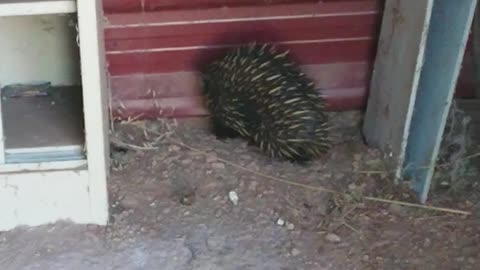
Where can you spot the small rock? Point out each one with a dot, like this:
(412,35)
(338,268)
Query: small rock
(232,195)
(366,258)
(186,161)
(130,202)
(397,209)
(218,213)
(427,243)
(212,157)
(216,243)
(295,252)
(174,148)
(333,238)
(253,166)
(280,222)
(245,157)
(218,166)
(290,226)
(253,186)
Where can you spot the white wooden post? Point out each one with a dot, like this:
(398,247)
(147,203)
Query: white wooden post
(95,96)
(39,193)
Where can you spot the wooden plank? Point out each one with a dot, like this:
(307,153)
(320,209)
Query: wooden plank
(395,77)
(38,198)
(243,13)
(448,33)
(36,7)
(95,98)
(43,166)
(342,27)
(476,51)
(185,84)
(194,58)
(149,5)
(344,85)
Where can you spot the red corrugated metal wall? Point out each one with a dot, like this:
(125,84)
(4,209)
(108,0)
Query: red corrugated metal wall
(155,48)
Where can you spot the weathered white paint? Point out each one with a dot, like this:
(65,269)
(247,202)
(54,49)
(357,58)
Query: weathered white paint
(95,96)
(36,7)
(41,193)
(33,199)
(72,165)
(38,48)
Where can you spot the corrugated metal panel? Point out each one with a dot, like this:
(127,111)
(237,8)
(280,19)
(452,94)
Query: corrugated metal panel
(155,51)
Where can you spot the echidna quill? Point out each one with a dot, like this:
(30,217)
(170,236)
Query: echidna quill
(260,94)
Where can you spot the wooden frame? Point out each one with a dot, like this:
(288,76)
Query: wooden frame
(38,193)
(418,62)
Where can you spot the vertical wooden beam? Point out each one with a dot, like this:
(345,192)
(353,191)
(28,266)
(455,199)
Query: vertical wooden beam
(95,95)
(476,50)
(395,77)
(448,34)
(418,62)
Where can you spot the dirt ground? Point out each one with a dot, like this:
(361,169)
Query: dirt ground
(173,192)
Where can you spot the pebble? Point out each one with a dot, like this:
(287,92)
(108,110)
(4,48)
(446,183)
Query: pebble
(216,243)
(290,226)
(218,213)
(333,238)
(129,202)
(187,161)
(233,196)
(295,252)
(280,222)
(397,209)
(174,148)
(427,243)
(253,186)
(218,166)
(212,158)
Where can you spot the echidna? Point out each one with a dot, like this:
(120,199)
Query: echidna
(260,94)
